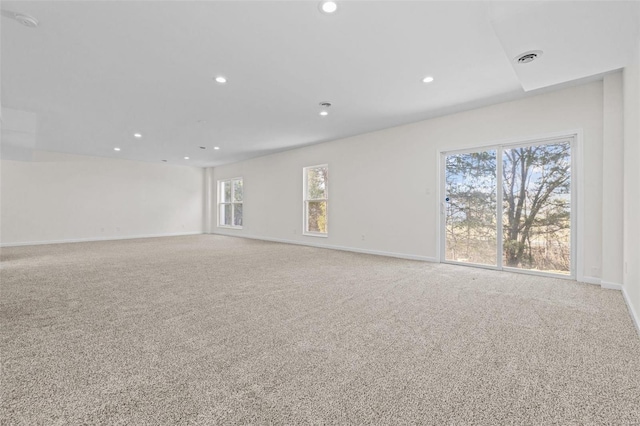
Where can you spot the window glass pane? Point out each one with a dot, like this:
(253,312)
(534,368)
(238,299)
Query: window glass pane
(237,214)
(537,207)
(471,200)
(317,216)
(225,192)
(225,214)
(237,190)
(317,183)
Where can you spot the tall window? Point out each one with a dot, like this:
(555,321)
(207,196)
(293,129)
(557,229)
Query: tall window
(316,197)
(230,203)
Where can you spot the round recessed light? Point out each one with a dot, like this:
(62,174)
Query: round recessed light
(427,79)
(324,113)
(116,149)
(164,161)
(328,6)
(137,135)
(186,158)
(220,79)
(203,147)
(216,148)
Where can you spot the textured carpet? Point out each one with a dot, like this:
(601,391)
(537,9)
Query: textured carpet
(219,330)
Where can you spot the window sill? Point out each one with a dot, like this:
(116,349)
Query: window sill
(310,234)
(229,227)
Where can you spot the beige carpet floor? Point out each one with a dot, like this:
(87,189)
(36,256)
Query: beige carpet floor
(218,330)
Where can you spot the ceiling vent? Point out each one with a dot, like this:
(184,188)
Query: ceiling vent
(26,20)
(528,57)
(22,18)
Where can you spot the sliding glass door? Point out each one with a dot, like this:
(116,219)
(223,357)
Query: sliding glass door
(527,224)
(471,223)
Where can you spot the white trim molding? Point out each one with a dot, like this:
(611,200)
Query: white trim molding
(87,240)
(340,248)
(634,315)
(610,286)
(589,280)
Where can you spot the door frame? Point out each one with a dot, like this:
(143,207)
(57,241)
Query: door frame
(577,219)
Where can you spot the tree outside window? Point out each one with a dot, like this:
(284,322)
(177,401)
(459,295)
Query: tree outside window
(316,197)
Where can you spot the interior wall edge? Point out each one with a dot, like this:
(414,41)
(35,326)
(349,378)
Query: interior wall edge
(589,280)
(634,315)
(610,285)
(333,247)
(88,240)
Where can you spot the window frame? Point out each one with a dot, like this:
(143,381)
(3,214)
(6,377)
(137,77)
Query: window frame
(305,202)
(233,203)
(575,138)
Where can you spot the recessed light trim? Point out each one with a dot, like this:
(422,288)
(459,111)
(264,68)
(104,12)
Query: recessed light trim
(186,158)
(427,79)
(137,135)
(216,148)
(324,113)
(328,6)
(116,149)
(221,79)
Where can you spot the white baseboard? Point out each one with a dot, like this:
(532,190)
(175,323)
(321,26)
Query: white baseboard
(634,315)
(610,286)
(331,247)
(590,280)
(85,240)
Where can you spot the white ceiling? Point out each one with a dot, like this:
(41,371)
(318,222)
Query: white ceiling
(95,72)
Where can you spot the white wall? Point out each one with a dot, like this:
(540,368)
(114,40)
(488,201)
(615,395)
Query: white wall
(632,187)
(384,185)
(59,197)
(612,158)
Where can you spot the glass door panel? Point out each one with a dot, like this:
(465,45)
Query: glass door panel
(471,232)
(536,188)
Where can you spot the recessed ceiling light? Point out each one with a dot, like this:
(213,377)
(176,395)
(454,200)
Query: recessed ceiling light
(203,147)
(220,79)
(116,149)
(164,161)
(328,6)
(324,113)
(427,79)
(186,158)
(216,148)
(137,135)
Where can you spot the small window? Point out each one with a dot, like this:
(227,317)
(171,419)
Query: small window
(316,197)
(230,203)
